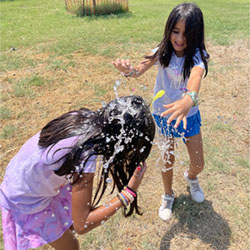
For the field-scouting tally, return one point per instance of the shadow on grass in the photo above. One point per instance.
(197, 221)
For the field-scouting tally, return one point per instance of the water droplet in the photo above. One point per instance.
(110, 119)
(117, 83)
(109, 180)
(142, 149)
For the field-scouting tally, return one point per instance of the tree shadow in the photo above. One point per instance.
(198, 221)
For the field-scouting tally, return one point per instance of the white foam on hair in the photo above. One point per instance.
(125, 106)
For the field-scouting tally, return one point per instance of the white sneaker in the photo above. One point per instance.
(165, 210)
(195, 189)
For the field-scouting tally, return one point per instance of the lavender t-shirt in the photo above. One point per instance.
(30, 181)
(170, 79)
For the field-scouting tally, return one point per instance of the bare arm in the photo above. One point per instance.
(125, 67)
(195, 78)
(180, 108)
(84, 216)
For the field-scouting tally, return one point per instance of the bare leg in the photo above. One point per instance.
(66, 242)
(167, 176)
(195, 151)
(165, 210)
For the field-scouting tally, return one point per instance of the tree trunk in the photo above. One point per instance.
(94, 5)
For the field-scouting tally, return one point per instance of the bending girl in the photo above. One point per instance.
(47, 188)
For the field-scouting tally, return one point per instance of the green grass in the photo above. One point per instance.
(35, 80)
(20, 89)
(23, 87)
(5, 113)
(57, 64)
(8, 132)
(225, 20)
(13, 60)
(46, 25)
(245, 163)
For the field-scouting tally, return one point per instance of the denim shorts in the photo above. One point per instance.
(168, 130)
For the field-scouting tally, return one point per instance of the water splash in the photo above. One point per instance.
(122, 136)
(164, 140)
(123, 82)
(117, 84)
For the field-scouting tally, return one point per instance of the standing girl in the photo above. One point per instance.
(182, 61)
(47, 188)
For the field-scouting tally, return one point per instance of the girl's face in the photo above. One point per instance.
(178, 39)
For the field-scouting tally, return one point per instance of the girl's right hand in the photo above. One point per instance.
(137, 177)
(122, 65)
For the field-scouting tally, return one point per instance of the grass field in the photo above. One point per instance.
(52, 62)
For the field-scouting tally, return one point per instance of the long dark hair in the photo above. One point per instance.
(122, 133)
(194, 33)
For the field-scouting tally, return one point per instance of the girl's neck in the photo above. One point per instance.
(178, 54)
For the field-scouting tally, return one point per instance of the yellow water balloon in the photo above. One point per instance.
(158, 95)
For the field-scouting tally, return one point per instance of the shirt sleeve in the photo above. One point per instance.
(55, 152)
(197, 59)
(90, 165)
(153, 51)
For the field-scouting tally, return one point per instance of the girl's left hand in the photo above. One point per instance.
(179, 110)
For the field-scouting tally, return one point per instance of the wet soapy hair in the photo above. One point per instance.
(121, 133)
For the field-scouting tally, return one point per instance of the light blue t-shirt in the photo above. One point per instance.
(170, 79)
